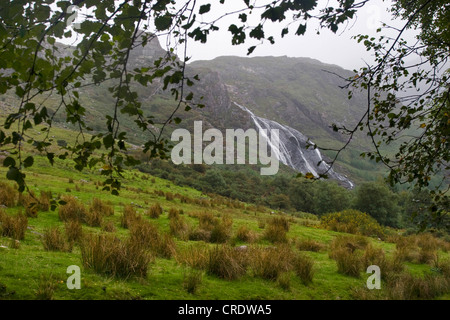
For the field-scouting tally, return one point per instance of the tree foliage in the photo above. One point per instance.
(34, 67)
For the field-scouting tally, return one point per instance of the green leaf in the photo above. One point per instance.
(13, 174)
(301, 30)
(9, 162)
(205, 8)
(163, 22)
(28, 162)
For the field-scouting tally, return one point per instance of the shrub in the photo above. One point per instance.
(352, 221)
(310, 245)
(303, 267)
(54, 240)
(8, 195)
(13, 226)
(154, 211)
(106, 254)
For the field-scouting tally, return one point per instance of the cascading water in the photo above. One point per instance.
(293, 151)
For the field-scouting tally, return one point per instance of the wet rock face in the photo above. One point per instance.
(296, 150)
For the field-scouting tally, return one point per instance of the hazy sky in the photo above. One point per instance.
(327, 47)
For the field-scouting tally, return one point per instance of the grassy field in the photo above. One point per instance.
(29, 270)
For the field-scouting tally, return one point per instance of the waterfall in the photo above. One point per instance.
(293, 151)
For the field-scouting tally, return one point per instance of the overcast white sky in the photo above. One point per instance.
(338, 49)
(327, 47)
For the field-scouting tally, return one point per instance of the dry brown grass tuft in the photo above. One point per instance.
(13, 226)
(269, 262)
(74, 230)
(106, 254)
(54, 240)
(129, 217)
(72, 210)
(154, 211)
(8, 195)
(246, 235)
(226, 262)
(310, 245)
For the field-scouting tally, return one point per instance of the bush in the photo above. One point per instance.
(106, 254)
(352, 221)
(54, 240)
(13, 226)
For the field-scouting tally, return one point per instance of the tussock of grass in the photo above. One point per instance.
(8, 195)
(106, 254)
(226, 262)
(13, 226)
(310, 245)
(129, 217)
(154, 211)
(54, 240)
